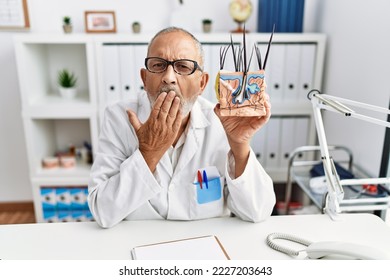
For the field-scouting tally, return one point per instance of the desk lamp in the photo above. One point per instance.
(336, 104)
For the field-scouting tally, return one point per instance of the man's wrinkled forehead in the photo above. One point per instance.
(165, 39)
(169, 41)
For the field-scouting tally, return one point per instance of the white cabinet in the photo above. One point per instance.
(108, 70)
(54, 125)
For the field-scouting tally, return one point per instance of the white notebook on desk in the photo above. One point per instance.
(197, 248)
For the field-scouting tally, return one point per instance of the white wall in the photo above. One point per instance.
(357, 68)
(353, 29)
(14, 182)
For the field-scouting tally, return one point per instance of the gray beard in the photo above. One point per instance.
(185, 105)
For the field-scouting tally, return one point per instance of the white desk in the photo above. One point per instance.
(242, 240)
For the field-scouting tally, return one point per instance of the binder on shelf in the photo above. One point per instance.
(287, 144)
(298, 14)
(140, 53)
(301, 136)
(262, 16)
(112, 92)
(273, 11)
(291, 64)
(275, 72)
(126, 71)
(307, 68)
(273, 143)
(286, 14)
(211, 65)
(196, 248)
(208, 67)
(258, 145)
(291, 19)
(294, 134)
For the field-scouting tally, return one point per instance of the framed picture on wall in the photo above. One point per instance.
(100, 22)
(14, 15)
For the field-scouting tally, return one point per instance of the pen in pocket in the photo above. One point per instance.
(200, 179)
(205, 179)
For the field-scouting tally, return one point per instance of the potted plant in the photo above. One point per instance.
(136, 27)
(67, 83)
(206, 23)
(67, 24)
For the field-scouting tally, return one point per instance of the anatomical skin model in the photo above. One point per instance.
(241, 92)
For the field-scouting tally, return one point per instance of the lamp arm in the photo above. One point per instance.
(356, 104)
(334, 192)
(333, 104)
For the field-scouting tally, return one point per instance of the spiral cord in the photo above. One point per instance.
(271, 243)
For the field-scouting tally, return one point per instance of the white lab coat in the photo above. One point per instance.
(123, 187)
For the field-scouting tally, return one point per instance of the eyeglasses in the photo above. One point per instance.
(181, 66)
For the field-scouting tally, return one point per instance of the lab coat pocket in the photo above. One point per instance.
(209, 192)
(208, 200)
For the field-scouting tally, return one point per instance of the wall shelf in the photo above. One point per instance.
(81, 170)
